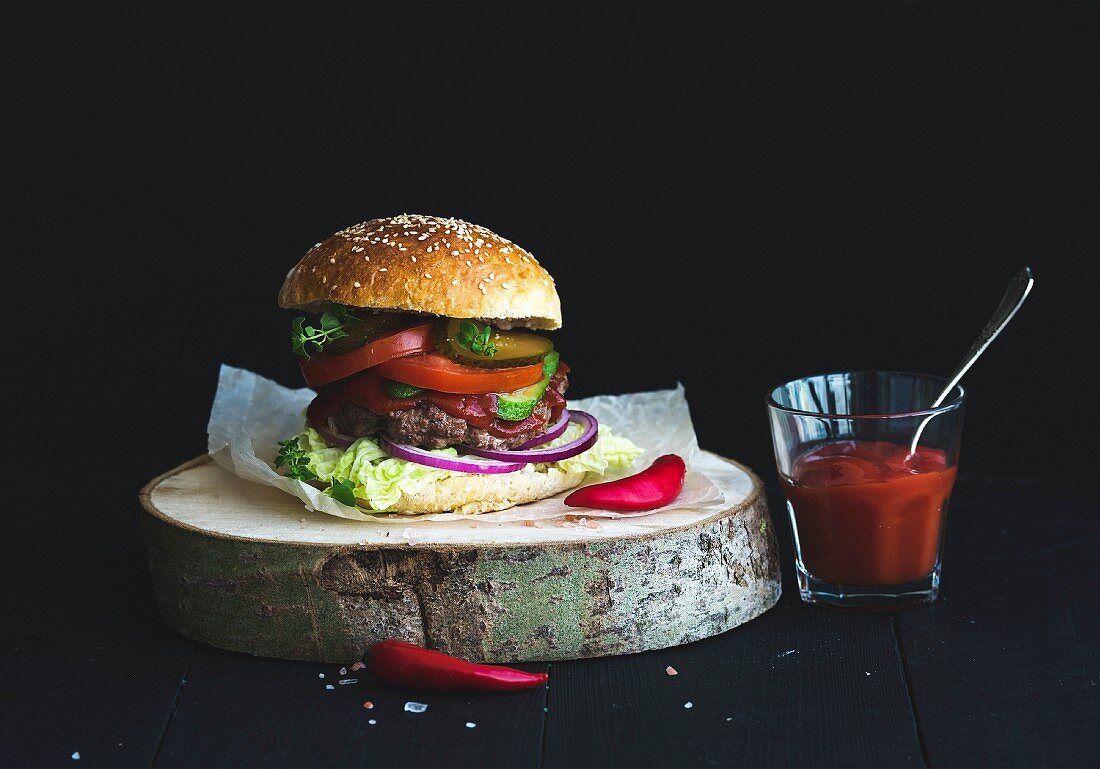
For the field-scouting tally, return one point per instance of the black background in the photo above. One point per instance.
(729, 195)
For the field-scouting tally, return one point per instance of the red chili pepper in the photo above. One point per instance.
(406, 664)
(654, 487)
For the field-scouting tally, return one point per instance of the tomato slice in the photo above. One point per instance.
(437, 372)
(322, 368)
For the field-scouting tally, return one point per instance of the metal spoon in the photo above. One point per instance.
(1014, 297)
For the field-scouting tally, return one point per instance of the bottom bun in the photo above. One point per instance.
(470, 494)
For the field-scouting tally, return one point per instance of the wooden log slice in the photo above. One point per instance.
(245, 567)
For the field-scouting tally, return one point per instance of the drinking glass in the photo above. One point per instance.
(867, 507)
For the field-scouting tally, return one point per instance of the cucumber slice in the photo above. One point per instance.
(510, 348)
(550, 363)
(518, 404)
(400, 389)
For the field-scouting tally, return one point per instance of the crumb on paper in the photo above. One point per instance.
(368, 705)
(689, 705)
(357, 666)
(671, 671)
(415, 707)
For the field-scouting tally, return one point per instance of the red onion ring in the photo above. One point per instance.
(332, 437)
(457, 464)
(553, 432)
(571, 449)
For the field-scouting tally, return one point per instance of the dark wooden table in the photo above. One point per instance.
(1002, 671)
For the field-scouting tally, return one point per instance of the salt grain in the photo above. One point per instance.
(76, 755)
(320, 675)
(372, 722)
(346, 681)
(470, 724)
(689, 705)
(343, 671)
(329, 686)
(415, 707)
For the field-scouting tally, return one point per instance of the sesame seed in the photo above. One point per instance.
(382, 269)
(454, 282)
(506, 285)
(481, 258)
(324, 279)
(357, 284)
(427, 274)
(332, 260)
(454, 253)
(413, 257)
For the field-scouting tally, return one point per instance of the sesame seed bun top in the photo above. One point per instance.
(413, 263)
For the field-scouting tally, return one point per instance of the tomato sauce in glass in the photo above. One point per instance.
(867, 513)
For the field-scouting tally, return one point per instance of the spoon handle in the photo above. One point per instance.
(1014, 297)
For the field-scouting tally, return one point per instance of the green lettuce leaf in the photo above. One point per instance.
(381, 479)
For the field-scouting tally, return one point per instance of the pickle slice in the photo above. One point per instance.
(370, 326)
(507, 348)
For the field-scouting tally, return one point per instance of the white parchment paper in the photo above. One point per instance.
(251, 414)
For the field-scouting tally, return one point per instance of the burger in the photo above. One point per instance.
(433, 391)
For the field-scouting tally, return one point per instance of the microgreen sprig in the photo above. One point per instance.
(342, 491)
(476, 340)
(333, 326)
(295, 460)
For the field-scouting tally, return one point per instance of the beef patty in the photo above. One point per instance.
(429, 427)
